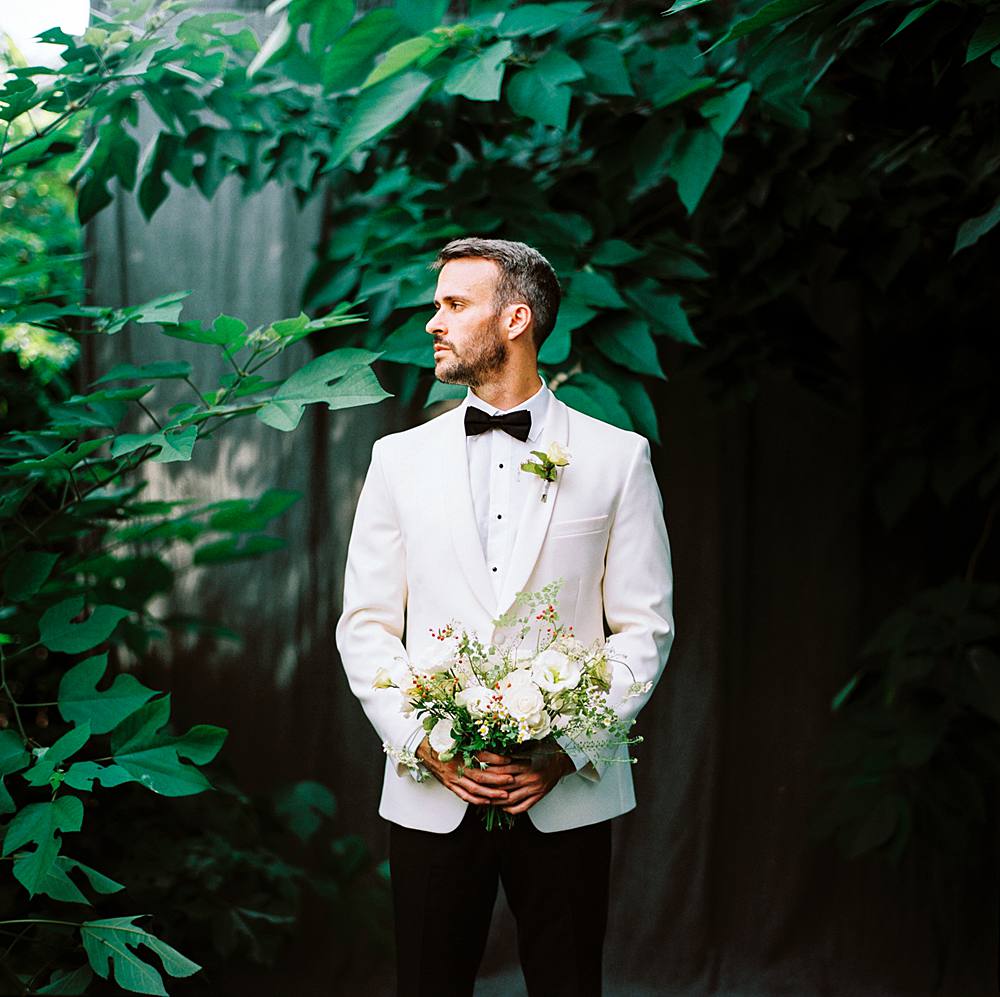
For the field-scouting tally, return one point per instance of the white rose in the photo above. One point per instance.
(558, 454)
(540, 724)
(440, 737)
(523, 700)
(555, 672)
(383, 680)
(476, 699)
(518, 677)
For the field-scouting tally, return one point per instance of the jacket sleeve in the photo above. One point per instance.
(370, 629)
(637, 592)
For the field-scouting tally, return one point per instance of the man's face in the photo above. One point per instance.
(469, 345)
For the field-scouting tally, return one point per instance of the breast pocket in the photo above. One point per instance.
(587, 526)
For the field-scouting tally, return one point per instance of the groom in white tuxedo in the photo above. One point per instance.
(449, 528)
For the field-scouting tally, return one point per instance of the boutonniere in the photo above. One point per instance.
(545, 467)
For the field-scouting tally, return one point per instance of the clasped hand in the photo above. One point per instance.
(513, 786)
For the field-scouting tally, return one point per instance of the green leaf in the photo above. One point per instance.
(594, 288)
(236, 549)
(572, 314)
(603, 63)
(80, 702)
(974, 229)
(440, 391)
(68, 984)
(698, 154)
(346, 64)
(398, 58)
(985, 39)
(58, 632)
(159, 369)
(39, 823)
(154, 759)
(303, 806)
(59, 886)
(378, 109)
(682, 5)
(174, 445)
(326, 19)
(69, 744)
(625, 340)
(665, 312)
(614, 253)
(13, 754)
(769, 13)
(13, 758)
(63, 459)
(590, 395)
(913, 15)
(723, 110)
(480, 78)
(535, 19)
(341, 378)
(161, 310)
(81, 775)
(275, 42)
(26, 573)
(539, 93)
(410, 344)
(249, 515)
(421, 15)
(111, 940)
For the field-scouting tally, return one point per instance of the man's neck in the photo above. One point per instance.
(508, 392)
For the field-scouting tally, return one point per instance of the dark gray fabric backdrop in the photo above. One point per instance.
(716, 887)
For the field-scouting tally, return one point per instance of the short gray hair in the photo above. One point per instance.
(525, 275)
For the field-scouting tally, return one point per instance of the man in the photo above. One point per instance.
(448, 527)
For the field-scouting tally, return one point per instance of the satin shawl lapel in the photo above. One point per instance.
(535, 514)
(456, 500)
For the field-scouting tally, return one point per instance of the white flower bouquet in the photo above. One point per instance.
(507, 699)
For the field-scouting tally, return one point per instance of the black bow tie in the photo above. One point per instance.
(518, 423)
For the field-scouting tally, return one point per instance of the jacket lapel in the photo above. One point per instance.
(535, 514)
(456, 501)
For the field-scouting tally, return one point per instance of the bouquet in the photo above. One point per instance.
(508, 699)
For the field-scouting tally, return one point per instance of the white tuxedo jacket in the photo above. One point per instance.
(415, 562)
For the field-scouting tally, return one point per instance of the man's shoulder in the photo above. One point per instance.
(406, 440)
(597, 434)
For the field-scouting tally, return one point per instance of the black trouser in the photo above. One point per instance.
(444, 887)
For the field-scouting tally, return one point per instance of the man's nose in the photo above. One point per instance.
(435, 325)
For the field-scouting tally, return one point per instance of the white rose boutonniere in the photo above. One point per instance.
(548, 460)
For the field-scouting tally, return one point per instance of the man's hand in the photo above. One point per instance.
(533, 780)
(474, 785)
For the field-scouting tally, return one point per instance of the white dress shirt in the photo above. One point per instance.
(499, 488)
(498, 483)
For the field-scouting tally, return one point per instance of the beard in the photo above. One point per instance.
(477, 363)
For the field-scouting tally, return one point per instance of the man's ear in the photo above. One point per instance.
(518, 320)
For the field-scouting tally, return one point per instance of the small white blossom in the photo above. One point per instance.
(558, 454)
(638, 689)
(555, 671)
(383, 680)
